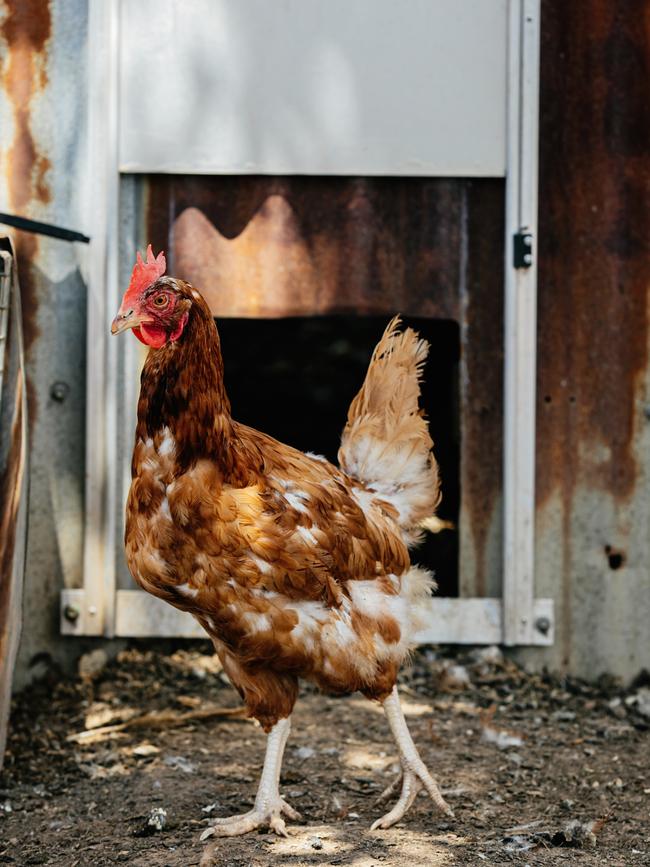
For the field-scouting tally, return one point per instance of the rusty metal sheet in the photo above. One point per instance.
(482, 391)
(13, 485)
(594, 241)
(43, 162)
(594, 277)
(269, 247)
(25, 31)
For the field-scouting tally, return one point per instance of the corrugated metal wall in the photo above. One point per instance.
(593, 419)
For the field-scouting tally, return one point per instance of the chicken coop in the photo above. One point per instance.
(316, 167)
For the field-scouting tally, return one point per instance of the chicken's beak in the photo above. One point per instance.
(128, 319)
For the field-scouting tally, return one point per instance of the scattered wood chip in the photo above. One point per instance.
(102, 714)
(160, 719)
(145, 750)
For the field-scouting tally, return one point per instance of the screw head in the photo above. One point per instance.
(71, 613)
(59, 391)
(543, 625)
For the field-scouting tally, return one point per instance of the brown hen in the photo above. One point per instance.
(293, 566)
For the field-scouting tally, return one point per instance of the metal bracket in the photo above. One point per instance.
(523, 249)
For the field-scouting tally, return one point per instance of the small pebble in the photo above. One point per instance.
(92, 664)
(303, 753)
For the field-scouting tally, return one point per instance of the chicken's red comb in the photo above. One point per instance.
(146, 273)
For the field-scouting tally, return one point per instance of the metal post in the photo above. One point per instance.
(520, 322)
(96, 616)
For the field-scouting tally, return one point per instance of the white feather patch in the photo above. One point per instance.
(263, 565)
(257, 622)
(298, 501)
(307, 535)
(168, 443)
(316, 457)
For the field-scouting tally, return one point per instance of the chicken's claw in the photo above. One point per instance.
(390, 790)
(410, 788)
(411, 783)
(271, 817)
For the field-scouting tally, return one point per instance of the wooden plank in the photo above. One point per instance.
(308, 246)
(13, 480)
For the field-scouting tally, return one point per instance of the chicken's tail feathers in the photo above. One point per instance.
(386, 443)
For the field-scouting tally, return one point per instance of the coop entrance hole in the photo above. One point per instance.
(294, 378)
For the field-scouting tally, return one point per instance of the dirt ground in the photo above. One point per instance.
(538, 771)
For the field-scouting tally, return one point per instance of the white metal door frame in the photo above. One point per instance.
(518, 618)
(520, 621)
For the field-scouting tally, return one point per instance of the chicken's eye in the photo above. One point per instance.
(161, 301)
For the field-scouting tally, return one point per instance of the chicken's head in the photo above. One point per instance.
(154, 306)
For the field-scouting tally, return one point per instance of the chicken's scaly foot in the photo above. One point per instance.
(269, 806)
(414, 771)
(410, 788)
(390, 790)
(264, 816)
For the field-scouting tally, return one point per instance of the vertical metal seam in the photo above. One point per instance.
(99, 554)
(520, 324)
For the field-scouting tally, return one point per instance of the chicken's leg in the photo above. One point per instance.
(414, 770)
(269, 806)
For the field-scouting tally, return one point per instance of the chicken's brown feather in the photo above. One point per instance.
(293, 567)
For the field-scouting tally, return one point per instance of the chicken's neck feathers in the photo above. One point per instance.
(182, 389)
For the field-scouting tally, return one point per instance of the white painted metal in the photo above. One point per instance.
(342, 87)
(96, 616)
(520, 325)
(453, 621)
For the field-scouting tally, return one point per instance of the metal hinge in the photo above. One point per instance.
(523, 249)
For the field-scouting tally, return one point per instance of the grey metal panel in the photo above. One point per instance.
(43, 165)
(311, 87)
(593, 428)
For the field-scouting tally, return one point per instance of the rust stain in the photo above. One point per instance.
(265, 246)
(43, 193)
(27, 20)
(11, 475)
(12, 472)
(594, 244)
(594, 253)
(482, 418)
(26, 27)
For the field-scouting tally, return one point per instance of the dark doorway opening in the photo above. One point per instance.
(295, 378)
